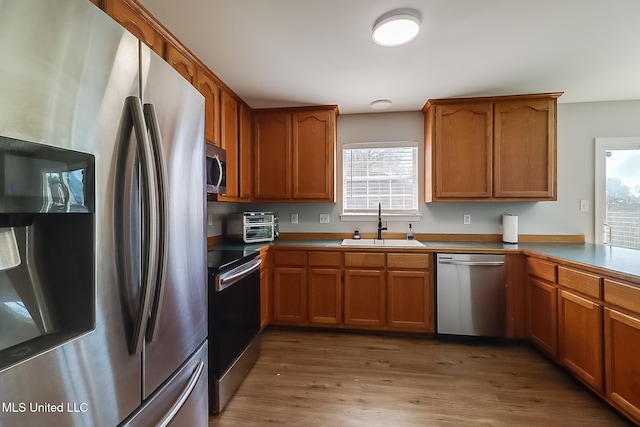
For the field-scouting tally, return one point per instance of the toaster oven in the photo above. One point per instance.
(252, 227)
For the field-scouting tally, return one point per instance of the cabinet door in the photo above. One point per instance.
(410, 300)
(211, 92)
(181, 63)
(542, 315)
(462, 152)
(289, 295)
(622, 364)
(127, 13)
(272, 156)
(525, 149)
(229, 141)
(364, 298)
(580, 337)
(314, 146)
(246, 153)
(325, 296)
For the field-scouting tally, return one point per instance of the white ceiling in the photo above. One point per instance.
(275, 53)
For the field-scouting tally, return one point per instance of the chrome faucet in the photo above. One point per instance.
(380, 228)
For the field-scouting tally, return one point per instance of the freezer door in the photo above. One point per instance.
(182, 306)
(66, 71)
(179, 401)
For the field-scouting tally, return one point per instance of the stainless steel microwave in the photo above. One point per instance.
(216, 170)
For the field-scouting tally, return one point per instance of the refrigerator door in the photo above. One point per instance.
(181, 326)
(67, 69)
(180, 400)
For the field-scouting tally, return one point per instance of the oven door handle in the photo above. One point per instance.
(234, 276)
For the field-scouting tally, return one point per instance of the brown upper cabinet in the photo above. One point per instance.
(181, 63)
(245, 146)
(137, 21)
(211, 92)
(229, 137)
(295, 152)
(491, 148)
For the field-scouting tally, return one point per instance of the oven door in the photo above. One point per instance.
(234, 315)
(258, 233)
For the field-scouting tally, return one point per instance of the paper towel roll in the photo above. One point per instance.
(509, 228)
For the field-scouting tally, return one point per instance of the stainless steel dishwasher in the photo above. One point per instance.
(470, 295)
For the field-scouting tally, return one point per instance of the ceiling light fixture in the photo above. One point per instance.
(396, 27)
(380, 104)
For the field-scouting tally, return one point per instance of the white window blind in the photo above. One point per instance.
(385, 173)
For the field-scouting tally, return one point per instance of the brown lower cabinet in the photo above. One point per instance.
(622, 360)
(290, 295)
(325, 295)
(364, 297)
(353, 289)
(580, 338)
(542, 317)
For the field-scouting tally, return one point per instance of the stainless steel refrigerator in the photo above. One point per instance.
(102, 233)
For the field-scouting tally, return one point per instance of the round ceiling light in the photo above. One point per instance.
(396, 28)
(380, 104)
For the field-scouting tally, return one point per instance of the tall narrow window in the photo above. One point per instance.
(385, 173)
(618, 192)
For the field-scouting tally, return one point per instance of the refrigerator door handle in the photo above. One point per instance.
(175, 408)
(133, 117)
(162, 213)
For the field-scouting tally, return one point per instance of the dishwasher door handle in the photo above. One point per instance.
(471, 263)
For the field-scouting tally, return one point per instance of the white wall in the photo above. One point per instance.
(578, 125)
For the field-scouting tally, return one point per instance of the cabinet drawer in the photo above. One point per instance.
(622, 295)
(289, 258)
(324, 258)
(399, 260)
(364, 259)
(542, 269)
(588, 284)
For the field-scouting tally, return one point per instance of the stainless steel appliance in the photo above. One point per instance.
(252, 227)
(216, 170)
(102, 183)
(470, 295)
(234, 321)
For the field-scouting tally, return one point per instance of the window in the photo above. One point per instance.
(618, 192)
(385, 173)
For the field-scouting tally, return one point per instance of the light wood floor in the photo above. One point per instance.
(340, 379)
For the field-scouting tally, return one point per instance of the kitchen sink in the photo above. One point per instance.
(384, 243)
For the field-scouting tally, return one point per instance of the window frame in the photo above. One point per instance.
(389, 215)
(601, 147)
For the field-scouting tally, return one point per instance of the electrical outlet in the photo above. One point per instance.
(466, 219)
(324, 218)
(210, 219)
(294, 218)
(584, 205)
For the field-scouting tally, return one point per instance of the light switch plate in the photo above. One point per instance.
(584, 205)
(324, 218)
(294, 218)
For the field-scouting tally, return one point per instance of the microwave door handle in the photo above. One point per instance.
(162, 212)
(133, 118)
(219, 170)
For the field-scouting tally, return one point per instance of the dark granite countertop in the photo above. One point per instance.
(617, 260)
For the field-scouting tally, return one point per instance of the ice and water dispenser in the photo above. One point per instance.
(47, 205)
